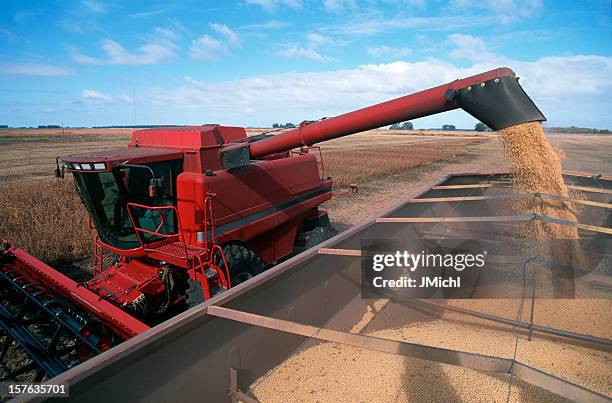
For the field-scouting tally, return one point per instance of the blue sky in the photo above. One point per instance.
(255, 62)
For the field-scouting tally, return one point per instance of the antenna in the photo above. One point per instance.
(134, 99)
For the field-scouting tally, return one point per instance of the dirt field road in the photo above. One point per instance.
(583, 153)
(380, 194)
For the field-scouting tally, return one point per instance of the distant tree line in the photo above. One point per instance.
(402, 126)
(479, 127)
(147, 126)
(447, 127)
(577, 130)
(283, 126)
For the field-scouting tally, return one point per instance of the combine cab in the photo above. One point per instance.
(189, 212)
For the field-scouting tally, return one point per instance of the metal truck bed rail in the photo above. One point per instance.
(219, 348)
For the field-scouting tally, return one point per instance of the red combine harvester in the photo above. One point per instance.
(193, 211)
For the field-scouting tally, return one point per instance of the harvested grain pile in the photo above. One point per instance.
(331, 372)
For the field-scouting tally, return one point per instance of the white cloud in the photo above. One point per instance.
(568, 89)
(78, 26)
(145, 14)
(549, 78)
(343, 6)
(95, 97)
(7, 34)
(207, 48)
(177, 25)
(273, 5)
(374, 26)
(153, 52)
(561, 77)
(268, 5)
(272, 24)
(33, 69)
(338, 6)
(388, 51)
(150, 53)
(308, 53)
(318, 39)
(124, 98)
(89, 97)
(167, 33)
(311, 50)
(224, 30)
(81, 16)
(505, 10)
(469, 47)
(94, 6)
(78, 57)
(417, 3)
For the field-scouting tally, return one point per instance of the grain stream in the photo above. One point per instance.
(536, 168)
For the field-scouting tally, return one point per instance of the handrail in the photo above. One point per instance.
(212, 259)
(140, 230)
(210, 245)
(209, 219)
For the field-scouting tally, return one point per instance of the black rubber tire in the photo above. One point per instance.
(242, 262)
(195, 294)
